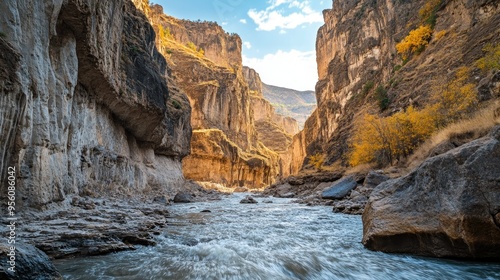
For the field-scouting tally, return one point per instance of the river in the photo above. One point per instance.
(279, 240)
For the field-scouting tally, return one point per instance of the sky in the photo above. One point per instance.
(279, 36)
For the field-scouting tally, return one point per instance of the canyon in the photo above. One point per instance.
(110, 109)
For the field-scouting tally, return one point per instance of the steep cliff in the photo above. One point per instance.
(85, 106)
(356, 47)
(226, 99)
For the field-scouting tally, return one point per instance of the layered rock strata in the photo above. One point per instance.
(206, 62)
(356, 47)
(85, 106)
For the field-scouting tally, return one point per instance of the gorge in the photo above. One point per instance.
(112, 109)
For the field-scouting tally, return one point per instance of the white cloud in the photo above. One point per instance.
(224, 23)
(272, 17)
(247, 45)
(244, 21)
(291, 69)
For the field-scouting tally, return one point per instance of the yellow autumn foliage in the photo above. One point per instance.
(457, 98)
(415, 42)
(428, 9)
(317, 161)
(492, 58)
(385, 140)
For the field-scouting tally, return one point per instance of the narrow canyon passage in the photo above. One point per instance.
(279, 240)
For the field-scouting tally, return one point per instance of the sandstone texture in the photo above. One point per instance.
(226, 100)
(30, 263)
(85, 104)
(356, 45)
(448, 207)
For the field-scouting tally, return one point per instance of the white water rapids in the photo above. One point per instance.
(281, 240)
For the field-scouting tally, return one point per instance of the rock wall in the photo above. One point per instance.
(444, 214)
(357, 45)
(224, 97)
(84, 103)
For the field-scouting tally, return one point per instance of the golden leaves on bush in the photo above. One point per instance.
(385, 140)
(415, 42)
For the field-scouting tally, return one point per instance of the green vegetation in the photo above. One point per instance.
(176, 104)
(382, 98)
(367, 87)
(428, 12)
(492, 58)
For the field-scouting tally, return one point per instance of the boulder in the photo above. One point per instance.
(374, 178)
(447, 207)
(248, 199)
(183, 197)
(339, 189)
(30, 263)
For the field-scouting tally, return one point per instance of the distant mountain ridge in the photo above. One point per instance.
(291, 103)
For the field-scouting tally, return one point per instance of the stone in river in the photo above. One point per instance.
(30, 263)
(183, 197)
(248, 199)
(339, 189)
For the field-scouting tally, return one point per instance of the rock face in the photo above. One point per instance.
(224, 98)
(356, 45)
(448, 207)
(30, 263)
(84, 104)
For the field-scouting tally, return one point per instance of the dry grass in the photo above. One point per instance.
(472, 128)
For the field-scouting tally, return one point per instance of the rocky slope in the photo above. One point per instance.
(291, 103)
(206, 63)
(85, 105)
(356, 47)
(445, 214)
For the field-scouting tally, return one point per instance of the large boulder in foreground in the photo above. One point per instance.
(30, 263)
(448, 207)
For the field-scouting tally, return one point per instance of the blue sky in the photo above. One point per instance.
(279, 36)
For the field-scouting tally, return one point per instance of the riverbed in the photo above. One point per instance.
(278, 240)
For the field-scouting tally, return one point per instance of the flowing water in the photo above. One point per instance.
(281, 240)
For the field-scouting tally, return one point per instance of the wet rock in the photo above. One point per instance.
(445, 208)
(30, 263)
(240, 190)
(183, 197)
(267, 201)
(339, 189)
(206, 211)
(248, 199)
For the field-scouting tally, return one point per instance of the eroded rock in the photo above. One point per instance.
(30, 263)
(444, 208)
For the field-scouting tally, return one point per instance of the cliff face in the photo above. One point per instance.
(206, 63)
(84, 103)
(356, 45)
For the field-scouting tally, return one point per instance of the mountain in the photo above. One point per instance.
(291, 103)
(234, 129)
